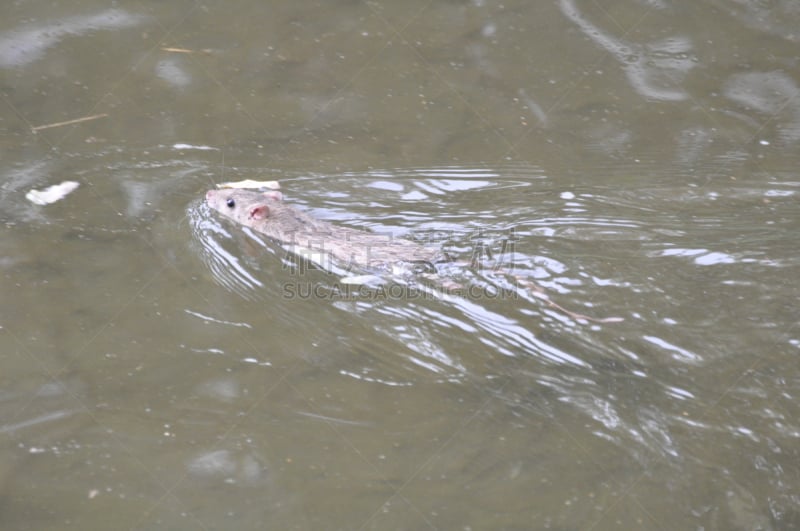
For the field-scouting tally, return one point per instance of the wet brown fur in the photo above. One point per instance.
(289, 225)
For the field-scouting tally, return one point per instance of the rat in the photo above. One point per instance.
(266, 213)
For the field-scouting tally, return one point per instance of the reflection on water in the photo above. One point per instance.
(31, 41)
(655, 70)
(634, 158)
(772, 94)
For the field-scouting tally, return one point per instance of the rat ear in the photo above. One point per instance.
(275, 195)
(259, 212)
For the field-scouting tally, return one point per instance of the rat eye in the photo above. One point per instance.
(230, 202)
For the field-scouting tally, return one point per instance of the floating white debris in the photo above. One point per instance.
(366, 280)
(249, 183)
(190, 146)
(51, 194)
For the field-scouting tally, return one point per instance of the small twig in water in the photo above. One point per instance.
(69, 122)
(536, 291)
(183, 50)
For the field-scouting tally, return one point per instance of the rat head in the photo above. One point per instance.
(243, 206)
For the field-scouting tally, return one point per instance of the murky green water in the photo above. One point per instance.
(163, 369)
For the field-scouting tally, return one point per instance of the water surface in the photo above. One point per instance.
(637, 159)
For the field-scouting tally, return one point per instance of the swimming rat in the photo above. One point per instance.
(264, 212)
